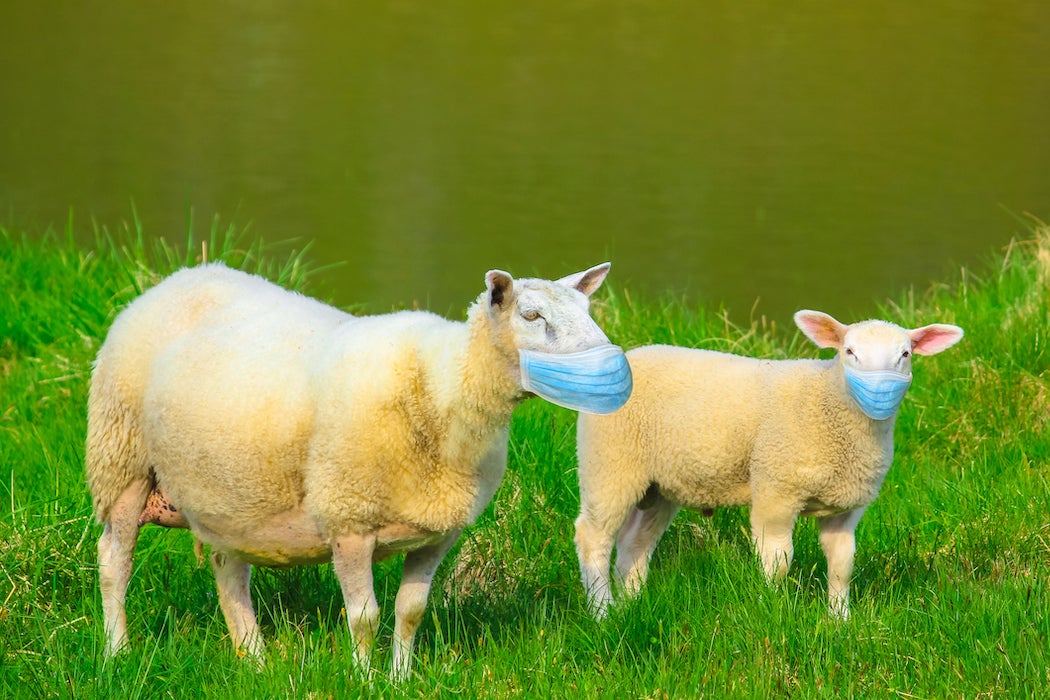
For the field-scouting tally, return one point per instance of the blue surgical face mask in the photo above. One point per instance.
(877, 392)
(597, 380)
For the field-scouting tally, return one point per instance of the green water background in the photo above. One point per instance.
(815, 154)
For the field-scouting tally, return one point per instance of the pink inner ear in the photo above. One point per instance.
(587, 281)
(821, 328)
(930, 340)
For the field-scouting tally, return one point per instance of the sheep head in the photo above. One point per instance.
(563, 356)
(544, 315)
(876, 355)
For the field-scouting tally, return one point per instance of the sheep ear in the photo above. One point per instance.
(589, 280)
(932, 339)
(500, 285)
(821, 328)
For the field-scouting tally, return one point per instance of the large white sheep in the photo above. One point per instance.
(705, 429)
(283, 431)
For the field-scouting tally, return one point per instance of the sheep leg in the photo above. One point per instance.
(232, 576)
(772, 524)
(116, 548)
(352, 559)
(594, 549)
(416, 577)
(637, 540)
(839, 544)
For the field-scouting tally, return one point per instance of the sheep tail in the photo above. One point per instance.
(115, 455)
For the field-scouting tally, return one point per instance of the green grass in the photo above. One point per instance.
(950, 588)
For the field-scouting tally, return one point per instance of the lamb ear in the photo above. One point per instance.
(588, 280)
(932, 339)
(499, 285)
(821, 328)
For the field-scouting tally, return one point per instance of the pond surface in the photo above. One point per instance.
(817, 155)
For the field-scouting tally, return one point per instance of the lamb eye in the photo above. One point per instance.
(906, 354)
(849, 351)
(531, 315)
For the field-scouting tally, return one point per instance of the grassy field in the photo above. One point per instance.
(950, 589)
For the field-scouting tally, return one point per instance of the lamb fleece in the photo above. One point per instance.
(725, 422)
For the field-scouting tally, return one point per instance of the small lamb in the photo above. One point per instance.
(705, 429)
(283, 431)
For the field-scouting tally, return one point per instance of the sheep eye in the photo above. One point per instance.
(849, 351)
(531, 315)
(906, 355)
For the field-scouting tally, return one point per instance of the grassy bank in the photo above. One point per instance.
(950, 589)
